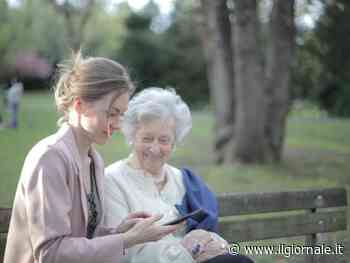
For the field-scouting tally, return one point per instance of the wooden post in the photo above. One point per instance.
(5, 215)
(311, 240)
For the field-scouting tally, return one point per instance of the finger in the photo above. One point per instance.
(168, 229)
(133, 221)
(182, 223)
(206, 241)
(161, 231)
(154, 218)
(127, 224)
(140, 214)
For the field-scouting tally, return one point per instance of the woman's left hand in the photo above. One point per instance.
(131, 220)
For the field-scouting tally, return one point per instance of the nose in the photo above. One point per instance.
(154, 148)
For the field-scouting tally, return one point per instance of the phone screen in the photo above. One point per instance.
(197, 215)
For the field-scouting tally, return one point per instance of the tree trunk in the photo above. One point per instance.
(250, 107)
(249, 143)
(75, 19)
(216, 38)
(278, 73)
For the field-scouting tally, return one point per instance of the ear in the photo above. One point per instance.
(78, 105)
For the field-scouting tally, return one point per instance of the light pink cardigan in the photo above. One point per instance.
(49, 216)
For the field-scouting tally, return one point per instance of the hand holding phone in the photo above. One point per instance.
(197, 215)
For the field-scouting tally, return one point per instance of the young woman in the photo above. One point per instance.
(58, 208)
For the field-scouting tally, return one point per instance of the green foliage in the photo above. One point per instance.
(169, 58)
(187, 69)
(104, 31)
(139, 51)
(307, 69)
(5, 34)
(156, 55)
(321, 72)
(332, 34)
(37, 28)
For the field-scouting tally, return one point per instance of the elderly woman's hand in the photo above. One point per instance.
(204, 245)
(131, 220)
(217, 246)
(195, 241)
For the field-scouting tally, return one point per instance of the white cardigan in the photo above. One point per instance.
(129, 190)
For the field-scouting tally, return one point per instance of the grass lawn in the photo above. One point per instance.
(317, 154)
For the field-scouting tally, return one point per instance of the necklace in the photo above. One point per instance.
(160, 179)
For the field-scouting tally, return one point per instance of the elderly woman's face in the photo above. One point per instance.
(153, 144)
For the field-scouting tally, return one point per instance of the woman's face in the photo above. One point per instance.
(153, 144)
(101, 118)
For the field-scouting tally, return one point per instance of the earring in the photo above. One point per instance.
(79, 119)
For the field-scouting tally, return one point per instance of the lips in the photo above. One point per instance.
(153, 161)
(106, 133)
(152, 157)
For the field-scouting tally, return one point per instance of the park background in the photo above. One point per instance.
(267, 82)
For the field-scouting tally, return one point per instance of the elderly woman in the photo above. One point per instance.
(157, 120)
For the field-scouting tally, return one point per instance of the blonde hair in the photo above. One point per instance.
(90, 79)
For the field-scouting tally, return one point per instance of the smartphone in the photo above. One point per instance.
(197, 215)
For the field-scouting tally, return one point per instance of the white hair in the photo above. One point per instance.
(157, 104)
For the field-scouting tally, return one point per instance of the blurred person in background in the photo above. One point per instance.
(2, 104)
(14, 95)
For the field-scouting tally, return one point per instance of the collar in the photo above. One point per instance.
(70, 147)
(147, 181)
(67, 135)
